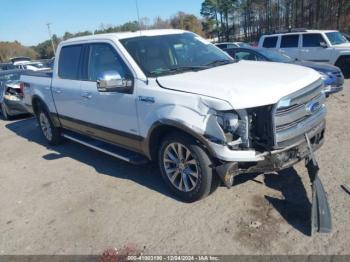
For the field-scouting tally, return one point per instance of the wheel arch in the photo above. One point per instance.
(342, 57)
(163, 127)
(38, 102)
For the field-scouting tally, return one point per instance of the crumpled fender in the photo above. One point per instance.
(199, 122)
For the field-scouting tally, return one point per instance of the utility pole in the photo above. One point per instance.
(50, 35)
(138, 14)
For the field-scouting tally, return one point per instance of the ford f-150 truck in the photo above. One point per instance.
(172, 97)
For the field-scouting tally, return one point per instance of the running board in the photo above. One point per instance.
(109, 149)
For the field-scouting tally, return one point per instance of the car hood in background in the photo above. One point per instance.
(318, 66)
(244, 84)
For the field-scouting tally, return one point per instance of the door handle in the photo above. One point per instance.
(87, 95)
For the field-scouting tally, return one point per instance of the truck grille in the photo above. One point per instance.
(298, 114)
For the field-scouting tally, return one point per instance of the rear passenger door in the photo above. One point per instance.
(312, 49)
(290, 45)
(66, 84)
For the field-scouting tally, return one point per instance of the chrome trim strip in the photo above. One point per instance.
(302, 127)
(298, 113)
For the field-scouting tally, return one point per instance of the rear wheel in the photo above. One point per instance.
(344, 64)
(185, 167)
(4, 112)
(51, 133)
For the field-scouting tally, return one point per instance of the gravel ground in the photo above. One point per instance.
(73, 200)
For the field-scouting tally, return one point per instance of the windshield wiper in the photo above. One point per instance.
(220, 62)
(177, 69)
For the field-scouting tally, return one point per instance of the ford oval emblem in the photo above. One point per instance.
(312, 107)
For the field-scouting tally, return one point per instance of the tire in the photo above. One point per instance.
(182, 159)
(51, 133)
(4, 112)
(344, 64)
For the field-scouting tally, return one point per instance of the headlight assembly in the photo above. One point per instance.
(234, 126)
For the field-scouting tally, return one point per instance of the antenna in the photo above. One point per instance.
(50, 35)
(138, 15)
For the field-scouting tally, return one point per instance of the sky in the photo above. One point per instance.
(25, 20)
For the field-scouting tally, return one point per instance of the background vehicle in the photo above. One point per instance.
(17, 59)
(11, 94)
(33, 66)
(231, 45)
(7, 66)
(331, 75)
(172, 97)
(325, 46)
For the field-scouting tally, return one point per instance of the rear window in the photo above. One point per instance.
(68, 67)
(270, 42)
(312, 40)
(290, 41)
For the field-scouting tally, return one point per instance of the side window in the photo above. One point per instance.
(104, 59)
(290, 41)
(270, 42)
(68, 67)
(312, 40)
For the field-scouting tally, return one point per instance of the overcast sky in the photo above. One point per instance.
(25, 20)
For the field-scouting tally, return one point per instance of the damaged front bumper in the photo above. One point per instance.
(281, 159)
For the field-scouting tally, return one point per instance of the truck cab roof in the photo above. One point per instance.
(124, 35)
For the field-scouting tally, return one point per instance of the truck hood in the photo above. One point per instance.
(244, 84)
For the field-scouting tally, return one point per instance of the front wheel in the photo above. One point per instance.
(185, 167)
(344, 64)
(51, 133)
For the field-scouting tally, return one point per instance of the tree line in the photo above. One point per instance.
(248, 19)
(221, 20)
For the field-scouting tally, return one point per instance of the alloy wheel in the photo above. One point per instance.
(181, 167)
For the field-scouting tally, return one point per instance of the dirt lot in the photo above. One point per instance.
(73, 200)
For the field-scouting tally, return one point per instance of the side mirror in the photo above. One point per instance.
(113, 82)
(323, 44)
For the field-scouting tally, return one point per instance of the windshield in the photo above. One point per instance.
(336, 38)
(276, 56)
(170, 54)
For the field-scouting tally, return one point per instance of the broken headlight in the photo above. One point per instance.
(234, 126)
(229, 122)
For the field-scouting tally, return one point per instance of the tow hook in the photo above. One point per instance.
(321, 220)
(227, 172)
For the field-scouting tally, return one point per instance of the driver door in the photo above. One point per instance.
(111, 116)
(312, 49)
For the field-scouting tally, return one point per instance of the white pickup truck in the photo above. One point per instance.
(170, 96)
(326, 46)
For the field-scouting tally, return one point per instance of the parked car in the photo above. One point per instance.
(331, 75)
(17, 59)
(327, 46)
(48, 63)
(7, 66)
(33, 66)
(130, 95)
(11, 94)
(231, 45)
